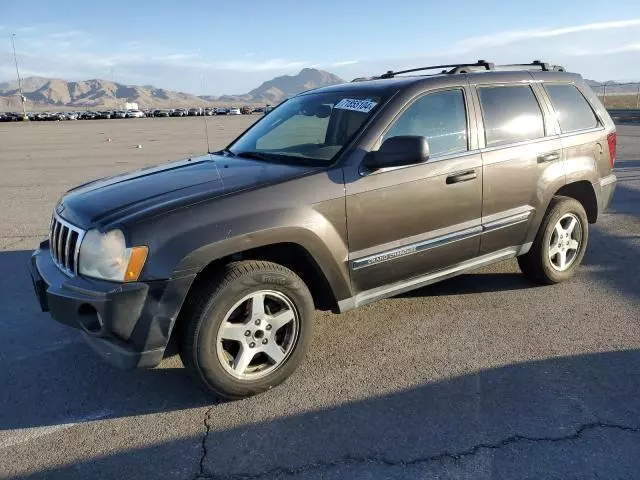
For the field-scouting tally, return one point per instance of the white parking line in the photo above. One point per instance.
(24, 435)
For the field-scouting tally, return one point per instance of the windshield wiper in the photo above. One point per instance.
(225, 151)
(257, 156)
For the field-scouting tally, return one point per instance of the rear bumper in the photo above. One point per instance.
(607, 189)
(128, 324)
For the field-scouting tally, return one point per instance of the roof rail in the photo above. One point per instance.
(544, 66)
(455, 68)
(468, 68)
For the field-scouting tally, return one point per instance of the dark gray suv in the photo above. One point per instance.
(338, 197)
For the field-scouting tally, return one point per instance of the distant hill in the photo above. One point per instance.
(280, 88)
(89, 93)
(617, 88)
(54, 92)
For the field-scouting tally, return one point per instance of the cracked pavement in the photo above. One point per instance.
(480, 377)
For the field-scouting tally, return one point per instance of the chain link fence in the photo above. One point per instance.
(621, 96)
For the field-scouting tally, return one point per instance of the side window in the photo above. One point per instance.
(511, 114)
(441, 117)
(572, 109)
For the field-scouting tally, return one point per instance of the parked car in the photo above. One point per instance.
(209, 111)
(119, 114)
(258, 110)
(193, 112)
(10, 117)
(221, 111)
(162, 113)
(135, 114)
(245, 110)
(104, 115)
(71, 115)
(234, 111)
(179, 112)
(420, 178)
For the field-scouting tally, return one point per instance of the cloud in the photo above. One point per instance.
(256, 66)
(581, 51)
(69, 34)
(512, 36)
(343, 63)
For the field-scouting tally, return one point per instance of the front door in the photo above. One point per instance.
(404, 222)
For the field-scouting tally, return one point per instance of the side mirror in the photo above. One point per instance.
(399, 151)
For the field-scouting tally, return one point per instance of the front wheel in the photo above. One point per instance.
(560, 243)
(248, 328)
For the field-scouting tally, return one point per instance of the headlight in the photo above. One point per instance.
(106, 256)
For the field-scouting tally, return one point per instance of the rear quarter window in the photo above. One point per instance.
(571, 108)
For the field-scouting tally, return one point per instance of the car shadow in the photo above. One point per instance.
(566, 417)
(474, 283)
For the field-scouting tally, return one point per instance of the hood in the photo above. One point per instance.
(155, 189)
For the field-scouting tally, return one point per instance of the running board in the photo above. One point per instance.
(369, 296)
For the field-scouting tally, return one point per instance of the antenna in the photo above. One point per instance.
(115, 93)
(204, 113)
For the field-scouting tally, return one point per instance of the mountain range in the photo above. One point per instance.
(45, 93)
(53, 92)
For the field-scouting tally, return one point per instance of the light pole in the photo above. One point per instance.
(15, 59)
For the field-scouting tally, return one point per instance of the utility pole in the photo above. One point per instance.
(15, 59)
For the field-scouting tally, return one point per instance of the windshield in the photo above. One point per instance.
(309, 128)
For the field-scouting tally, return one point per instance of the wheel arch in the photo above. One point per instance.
(288, 254)
(583, 192)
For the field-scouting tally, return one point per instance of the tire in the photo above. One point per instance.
(220, 314)
(547, 269)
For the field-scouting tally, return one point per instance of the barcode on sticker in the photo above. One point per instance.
(364, 106)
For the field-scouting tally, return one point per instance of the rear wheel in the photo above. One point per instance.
(248, 328)
(560, 243)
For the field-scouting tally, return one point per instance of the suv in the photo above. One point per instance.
(340, 196)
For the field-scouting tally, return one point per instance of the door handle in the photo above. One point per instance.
(461, 177)
(548, 157)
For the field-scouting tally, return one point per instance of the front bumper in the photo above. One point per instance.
(128, 324)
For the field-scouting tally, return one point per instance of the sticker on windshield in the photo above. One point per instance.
(364, 106)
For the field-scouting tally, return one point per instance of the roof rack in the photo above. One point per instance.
(544, 66)
(456, 68)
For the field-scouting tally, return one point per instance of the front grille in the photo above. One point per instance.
(64, 243)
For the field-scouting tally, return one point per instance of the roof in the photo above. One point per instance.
(481, 71)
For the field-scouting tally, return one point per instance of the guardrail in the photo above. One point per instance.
(624, 115)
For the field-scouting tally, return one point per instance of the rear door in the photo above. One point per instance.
(407, 221)
(521, 155)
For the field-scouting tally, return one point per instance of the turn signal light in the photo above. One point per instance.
(136, 262)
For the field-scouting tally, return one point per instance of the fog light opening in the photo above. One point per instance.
(90, 319)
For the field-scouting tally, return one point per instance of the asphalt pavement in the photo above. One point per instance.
(484, 376)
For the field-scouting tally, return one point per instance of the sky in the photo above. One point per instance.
(229, 47)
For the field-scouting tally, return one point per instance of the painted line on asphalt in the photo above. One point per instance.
(24, 435)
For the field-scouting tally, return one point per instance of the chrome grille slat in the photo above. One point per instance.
(64, 240)
(59, 243)
(56, 231)
(64, 244)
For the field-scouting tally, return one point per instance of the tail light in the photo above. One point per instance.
(612, 140)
